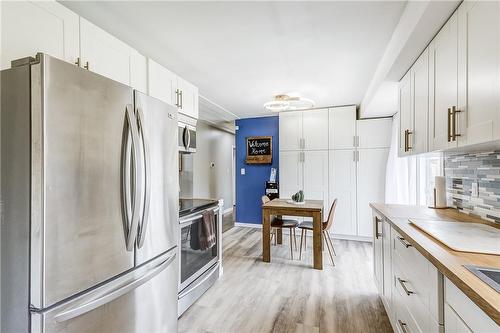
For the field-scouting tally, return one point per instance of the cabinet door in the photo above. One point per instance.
(315, 129)
(453, 323)
(138, 71)
(374, 133)
(105, 54)
(30, 27)
(316, 177)
(162, 83)
(370, 185)
(188, 99)
(342, 186)
(405, 113)
(479, 72)
(291, 171)
(342, 127)
(443, 83)
(420, 106)
(290, 127)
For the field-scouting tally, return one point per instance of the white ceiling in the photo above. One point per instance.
(240, 54)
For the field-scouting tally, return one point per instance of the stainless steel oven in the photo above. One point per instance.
(199, 268)
(187, 138)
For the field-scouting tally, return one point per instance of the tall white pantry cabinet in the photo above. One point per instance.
(329, 154)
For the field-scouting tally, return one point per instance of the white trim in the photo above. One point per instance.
(248, 225)
(227, 211)
(285, 232)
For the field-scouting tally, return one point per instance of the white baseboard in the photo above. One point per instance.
(309, 234)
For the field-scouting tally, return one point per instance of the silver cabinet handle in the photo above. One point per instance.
(408, 133)
(403, 326)
(132, 221)
(182, 99)
(404, 242)
(402, 283)
(147, 184)
(377, 233)
(112, 294)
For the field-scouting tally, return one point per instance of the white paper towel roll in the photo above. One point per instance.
(440, 192)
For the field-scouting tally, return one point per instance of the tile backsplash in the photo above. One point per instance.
(463, 171)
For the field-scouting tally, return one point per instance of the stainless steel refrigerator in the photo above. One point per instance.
(89, 199)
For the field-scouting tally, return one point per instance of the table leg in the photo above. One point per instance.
(266, 236)
(317, 240)
(279, 233)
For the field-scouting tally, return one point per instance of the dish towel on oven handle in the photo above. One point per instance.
(207, 230)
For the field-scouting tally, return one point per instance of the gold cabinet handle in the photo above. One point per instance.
(403, 326)
(406, 142)
(454, 112)
(404, 242)
(408, 146)
(402, 283)
(77, 62)
(450, 133)
(87, 66)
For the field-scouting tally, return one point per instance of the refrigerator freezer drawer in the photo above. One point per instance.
(143, 300)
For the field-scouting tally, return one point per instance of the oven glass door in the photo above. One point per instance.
(194, 258)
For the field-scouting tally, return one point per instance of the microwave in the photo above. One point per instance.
(187, 138)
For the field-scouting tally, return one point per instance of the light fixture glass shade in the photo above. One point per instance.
(277, 106)
(286, 103)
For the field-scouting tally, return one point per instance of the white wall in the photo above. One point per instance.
(213, 146)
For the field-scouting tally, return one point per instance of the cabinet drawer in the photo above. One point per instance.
(423, 277)
(415, 297)
(469, 313)
(403, 319)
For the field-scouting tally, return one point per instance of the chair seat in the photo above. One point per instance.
(308, 225)
(284, 223)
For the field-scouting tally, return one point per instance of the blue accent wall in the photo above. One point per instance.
(250, 187)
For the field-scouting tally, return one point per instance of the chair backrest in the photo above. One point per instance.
(265, 199)
(331, 213)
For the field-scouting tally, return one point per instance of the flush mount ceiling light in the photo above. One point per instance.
(287, 102)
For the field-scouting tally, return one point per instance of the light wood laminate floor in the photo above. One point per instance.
(289, 296)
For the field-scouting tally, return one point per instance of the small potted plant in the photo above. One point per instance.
(298, 198)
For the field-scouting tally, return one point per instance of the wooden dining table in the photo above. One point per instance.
(280, 207)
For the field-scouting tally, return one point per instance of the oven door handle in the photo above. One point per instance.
(199, 283)
(191, 218)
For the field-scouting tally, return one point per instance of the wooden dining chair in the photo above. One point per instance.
(280, 223)
(326, 226)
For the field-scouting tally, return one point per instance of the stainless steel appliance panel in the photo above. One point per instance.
(15, 198)
(144, 300)
(186, 137)
(79, 239)
(159, 227)
(197, 288)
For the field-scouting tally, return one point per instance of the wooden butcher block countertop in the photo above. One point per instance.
(446, 260)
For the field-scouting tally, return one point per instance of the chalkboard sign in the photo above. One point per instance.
(259, 150)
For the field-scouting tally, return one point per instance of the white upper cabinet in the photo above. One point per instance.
(290, 130)
(420, 107)
(374, 133)
(30, 27)
(342, 186)
(405, 114)
(187, 98)
(478, 72)
(342, 127)
(315, 129)
(443, 86)
(162, 83)
(104, 54)
(139, 71)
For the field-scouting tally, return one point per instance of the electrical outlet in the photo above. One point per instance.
(475, 189)
(242, 171)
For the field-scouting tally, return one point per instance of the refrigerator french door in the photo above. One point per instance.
(90, 195)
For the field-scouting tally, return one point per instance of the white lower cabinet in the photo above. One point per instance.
(462, 315)
(342, 186)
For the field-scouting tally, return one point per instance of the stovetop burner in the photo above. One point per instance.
(188, 206)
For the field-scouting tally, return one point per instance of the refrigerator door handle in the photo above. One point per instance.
(133, 220)
(147, 186)
(109, 296)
